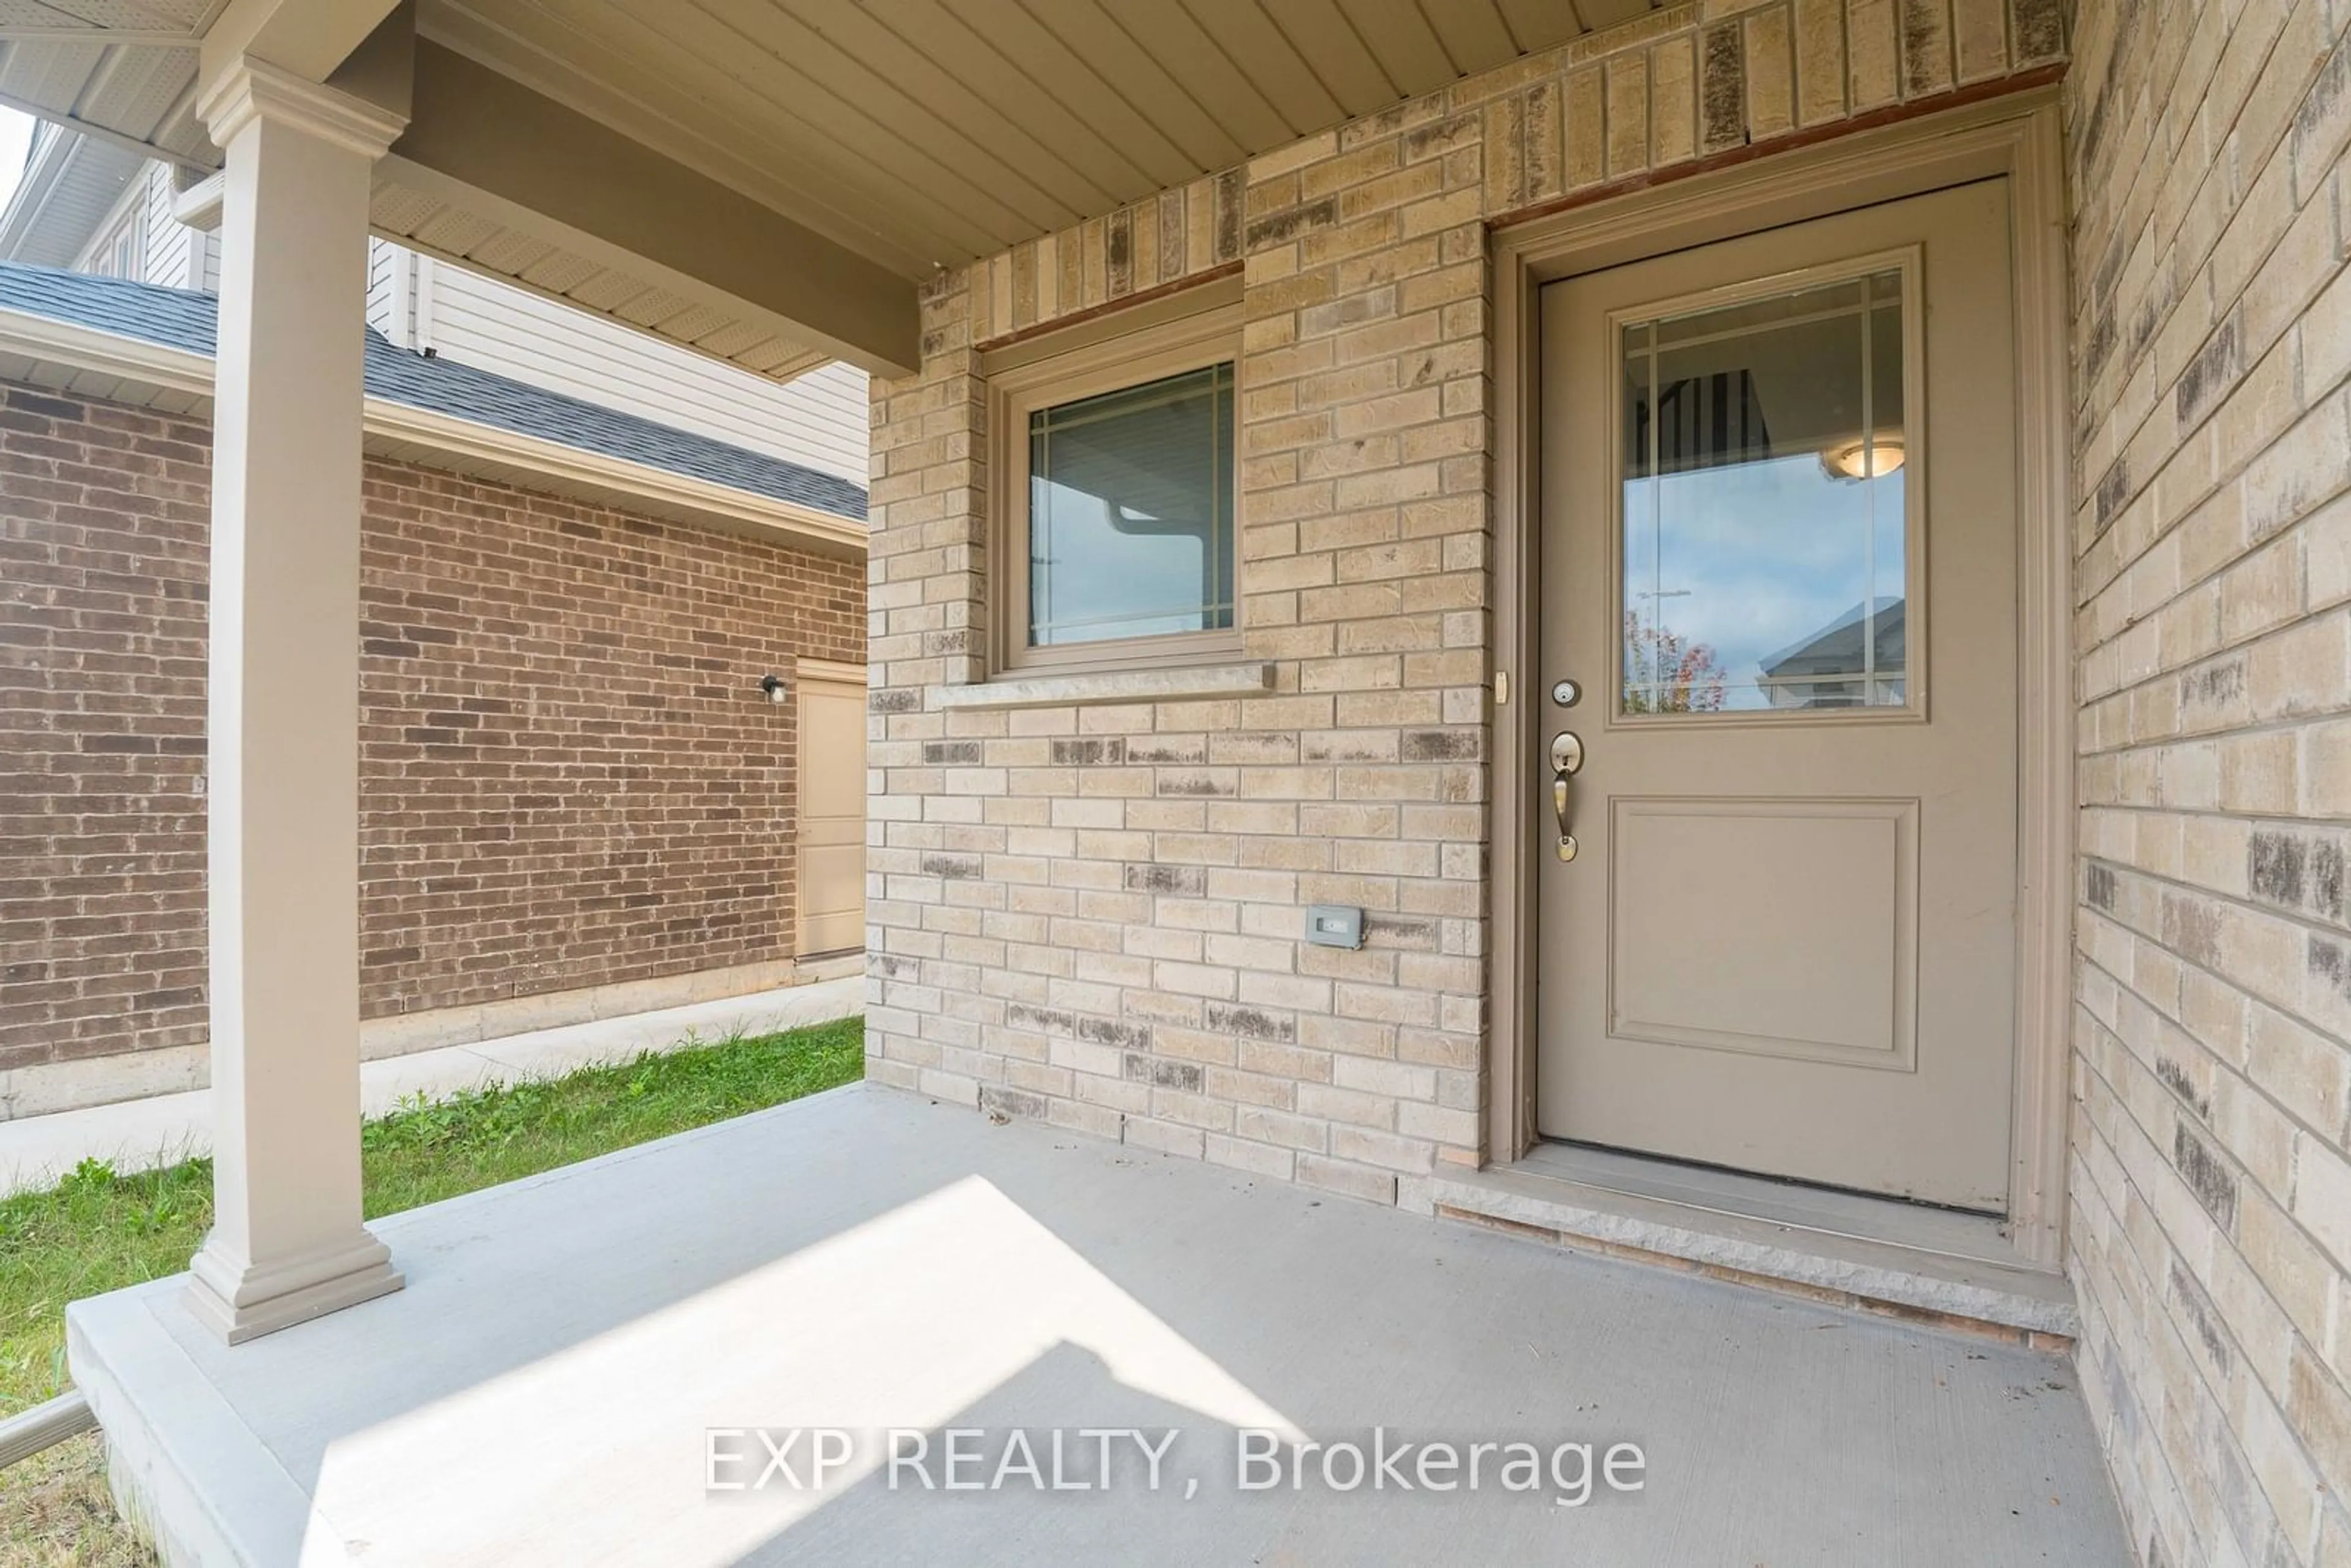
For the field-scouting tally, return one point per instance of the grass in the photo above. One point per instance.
(55, 1512)
(97, 1230)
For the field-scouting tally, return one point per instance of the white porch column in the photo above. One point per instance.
(287, 1243)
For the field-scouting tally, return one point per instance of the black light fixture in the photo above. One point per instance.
(774, 686)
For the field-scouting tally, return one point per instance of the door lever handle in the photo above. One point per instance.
(1566, 757)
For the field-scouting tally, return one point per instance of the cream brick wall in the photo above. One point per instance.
(1093, 914)
(2211, 1231)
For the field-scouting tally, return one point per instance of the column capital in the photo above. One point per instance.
(253, 89)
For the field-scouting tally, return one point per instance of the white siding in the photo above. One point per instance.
(819, 420)
(175, 253)
(104, 248)
(830, 417)
(167, 252)
(417, 302)
(387, 280)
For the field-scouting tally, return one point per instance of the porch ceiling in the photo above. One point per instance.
(912, 134)
(928, 133)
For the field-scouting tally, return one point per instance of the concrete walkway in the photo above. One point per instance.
(139, 1134)
(579, 1356)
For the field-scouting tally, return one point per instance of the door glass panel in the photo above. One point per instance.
(1765, 539)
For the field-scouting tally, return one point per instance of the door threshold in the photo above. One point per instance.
(1953, 1270)
(1806, 1206)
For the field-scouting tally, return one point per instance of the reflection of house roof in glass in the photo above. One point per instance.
(1835, 649)
(1154, 454)
(184, 319)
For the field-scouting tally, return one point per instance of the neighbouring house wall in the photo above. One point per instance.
(818, 419)
(67, 187)
(1092, 912)
(103, 527)
(169, 254)
(568, 774)
(177, 256)
(2211, 1232)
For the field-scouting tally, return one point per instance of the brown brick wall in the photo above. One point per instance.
(2210, 1241)
(568, 776)
(102, 525)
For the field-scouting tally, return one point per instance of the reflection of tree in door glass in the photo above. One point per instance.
(1665, 672)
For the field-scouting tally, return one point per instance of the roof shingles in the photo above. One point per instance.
(184, 319)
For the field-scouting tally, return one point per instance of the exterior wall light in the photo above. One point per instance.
(774, 687)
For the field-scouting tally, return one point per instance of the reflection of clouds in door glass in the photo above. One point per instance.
(1758, 559)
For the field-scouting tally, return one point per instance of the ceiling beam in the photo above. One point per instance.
(484, 142)
(309, 38)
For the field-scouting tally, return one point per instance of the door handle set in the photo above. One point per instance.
(1567, 759)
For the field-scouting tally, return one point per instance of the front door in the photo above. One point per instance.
(1779, 568)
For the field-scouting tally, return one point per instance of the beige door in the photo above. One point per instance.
(1779, 558)
(832, 811)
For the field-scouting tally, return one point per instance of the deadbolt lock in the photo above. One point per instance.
(1565, 693)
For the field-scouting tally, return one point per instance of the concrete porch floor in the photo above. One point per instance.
(542, 1389)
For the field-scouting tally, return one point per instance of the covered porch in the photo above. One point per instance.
(1108, 934)
(570, 1351)
(1210, 939)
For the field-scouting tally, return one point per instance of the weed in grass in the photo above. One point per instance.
(55, 1512)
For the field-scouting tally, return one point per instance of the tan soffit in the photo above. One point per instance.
(141, 94)
(131, 85)
(917, 133)
(467, 237)
(928, 133)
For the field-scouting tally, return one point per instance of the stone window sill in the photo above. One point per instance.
(1205, 680)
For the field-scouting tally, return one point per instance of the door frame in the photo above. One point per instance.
(2019, 136)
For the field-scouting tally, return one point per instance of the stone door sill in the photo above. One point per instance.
(1871, 1254)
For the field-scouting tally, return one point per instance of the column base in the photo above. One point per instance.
(240, 1301)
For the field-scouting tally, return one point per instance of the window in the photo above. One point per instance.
(1115, 539)
(1130, 512)
(122, 252)
(1769, 522)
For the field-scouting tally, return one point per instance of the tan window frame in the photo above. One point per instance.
(1188, 331)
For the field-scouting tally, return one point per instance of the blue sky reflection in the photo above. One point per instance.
(1751, 559)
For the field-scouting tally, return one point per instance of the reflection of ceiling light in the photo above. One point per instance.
(1850, 459)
